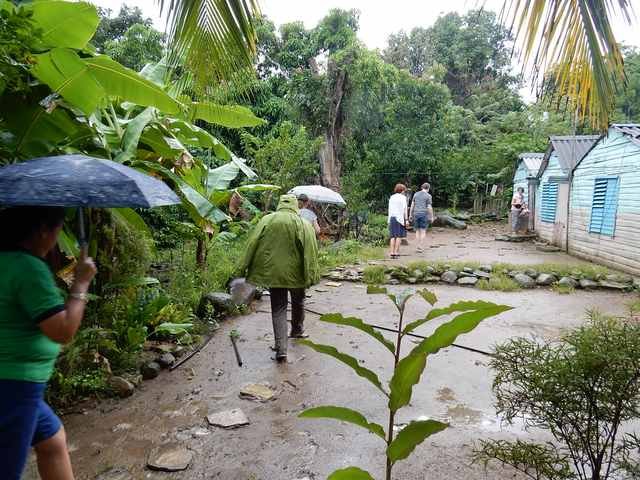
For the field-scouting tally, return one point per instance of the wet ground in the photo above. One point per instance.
(456, 387)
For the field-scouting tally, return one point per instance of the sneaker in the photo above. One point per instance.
(298, 335)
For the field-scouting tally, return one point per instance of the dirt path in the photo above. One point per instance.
(456, 387)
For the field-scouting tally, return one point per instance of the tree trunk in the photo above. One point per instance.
(329, 154)
(201, 253)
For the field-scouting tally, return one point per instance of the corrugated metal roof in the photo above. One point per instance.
(532, 162)
(571, 149)
(632, 130)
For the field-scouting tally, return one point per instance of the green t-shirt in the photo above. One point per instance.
(28, 295)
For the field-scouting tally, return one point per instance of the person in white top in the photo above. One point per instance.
(397, 219)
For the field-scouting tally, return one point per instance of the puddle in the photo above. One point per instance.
(445, 394)
(461, 415)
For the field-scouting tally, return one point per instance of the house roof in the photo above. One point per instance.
(570, 150)
(632, 130)
(532, 161)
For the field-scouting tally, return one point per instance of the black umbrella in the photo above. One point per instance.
(80, 181)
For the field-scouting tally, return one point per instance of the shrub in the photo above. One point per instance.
(581, 389)
(347, 252)
(499, 282)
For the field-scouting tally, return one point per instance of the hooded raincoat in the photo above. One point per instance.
(282, 251)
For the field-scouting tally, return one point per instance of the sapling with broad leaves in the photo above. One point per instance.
(407, 371)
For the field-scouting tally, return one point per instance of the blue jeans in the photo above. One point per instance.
(25, 421)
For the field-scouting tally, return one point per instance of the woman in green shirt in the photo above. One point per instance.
(34, 322)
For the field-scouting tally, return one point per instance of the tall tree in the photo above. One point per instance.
(115, 27)
(141, 44)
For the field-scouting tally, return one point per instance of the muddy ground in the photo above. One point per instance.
(456, 387)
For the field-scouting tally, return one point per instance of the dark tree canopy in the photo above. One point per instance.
(115, 27)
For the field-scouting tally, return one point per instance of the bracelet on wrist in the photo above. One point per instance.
(80, 296)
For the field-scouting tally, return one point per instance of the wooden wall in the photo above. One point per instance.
(614, 155)
(548, 231)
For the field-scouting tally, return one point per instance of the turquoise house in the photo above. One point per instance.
(527, 167)
(551, 203)
(604, 219)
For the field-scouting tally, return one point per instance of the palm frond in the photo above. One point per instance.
(213, 39)
(573, 41)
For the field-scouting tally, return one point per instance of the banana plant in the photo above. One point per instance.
(407, 371)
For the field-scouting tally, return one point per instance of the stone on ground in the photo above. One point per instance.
(166, 360)
(467, 270)
(116, 473)
(486, 268)
(619, 278)
(548, 248)
(482, 274)
(611, 285)
(220, 303)
(170, 458)
(568, 282)
(150, 370)
(228, 419)
(242, 292)
(465, 274)
(258, 392)
(546, 279)
(588, 284)
(122, 387)
(470, 281)
(449, 276)
(531, 273)
(524, 280)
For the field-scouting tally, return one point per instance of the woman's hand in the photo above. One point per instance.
(85, 271)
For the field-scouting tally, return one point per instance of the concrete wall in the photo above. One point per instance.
(614, 155)
(548, 231)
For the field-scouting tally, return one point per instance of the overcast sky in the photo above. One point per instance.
(378, 18)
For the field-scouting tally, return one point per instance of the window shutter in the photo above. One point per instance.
(604, 206)
(549, 202)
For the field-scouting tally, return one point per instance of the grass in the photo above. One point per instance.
(499, 282)
(563, 289)
(347, 253)
(374, 275)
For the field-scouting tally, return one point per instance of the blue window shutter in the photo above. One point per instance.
(604, 206)
(549, 202)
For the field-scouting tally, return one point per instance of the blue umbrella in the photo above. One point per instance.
(80, 181)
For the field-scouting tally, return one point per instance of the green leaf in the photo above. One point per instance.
(156, 72)
(65, 24)
(230, 116)
(220, 178)
(350, 473)
(345, 415)
(122, 82)
(129, 217)
(199, 208)
(242, 164)
(428, 295)
(65, 73)
(134, 282)
(193, 135)
(411, 436)
(347, 360)
(258, 187)
(376, 289)
(401, 299)
(169, 328)
(464, 306)
(354, 322)
(68, 243)
(132, 134)
(406, 375)
(447, 333)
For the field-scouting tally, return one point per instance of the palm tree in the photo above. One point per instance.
(214, 40)
(574, 40)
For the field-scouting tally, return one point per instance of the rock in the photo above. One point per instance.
(610, 285)
(418, 274)
(470, 281)
(404, 241)
(531, 273)
(546, 279)
(449, 276)
(166, 360)
(524, 280)
(568, 282)
(228, 419)
(122, 387)
(465, 274)
(221, 303)
(170, 458)
(432, 271)
(116, 473)
(467, 270)
(482, 274)
(636, 283)
(258, 392)
(134, 378)
(444, 220)
(486, 268)
(588, 284)
(619, 278)
(464, 216)
(515, 238)
(394, 281)
(242, 292)
(412, 280)
(150, 370)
